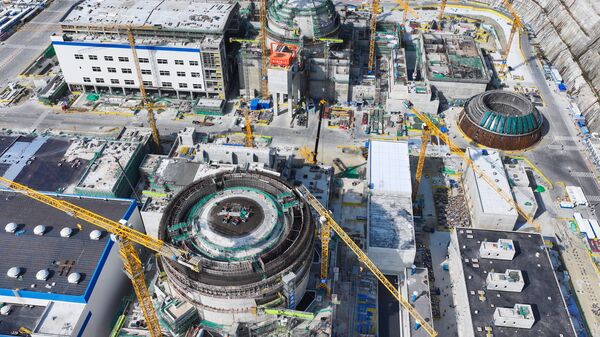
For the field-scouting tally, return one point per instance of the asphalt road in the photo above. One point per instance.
(25, 45)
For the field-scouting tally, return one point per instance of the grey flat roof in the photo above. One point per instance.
(551, 317)
(419, 282)
(20, 316)
(34, 253)
(5, 142)
(210, 17)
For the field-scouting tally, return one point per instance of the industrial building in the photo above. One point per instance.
(504, 285)
(254, 237)
(453, 65)
(502, 120)
(59, 277)
(181, 47)
(391, 233)
(488, 209)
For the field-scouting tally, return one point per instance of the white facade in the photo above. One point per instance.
(94, 65)
(488, 209)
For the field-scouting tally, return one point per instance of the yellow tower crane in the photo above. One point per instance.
(249, 136)
(421, 163)
(264, 84)
(469, 162)
(374, 13)
(406, 9)
(146, 102)
(327, 224)
(517, 25)
(442, 9)
(128, 237)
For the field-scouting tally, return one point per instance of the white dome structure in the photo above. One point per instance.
(5, 310)
(14, 272)
(66, 232)
(95, 234)
(74, 278)
(42, 275)
(39, 230)
(11, 227)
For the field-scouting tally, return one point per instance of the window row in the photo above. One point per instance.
(146, 72)
(141, 59)
(147, 83)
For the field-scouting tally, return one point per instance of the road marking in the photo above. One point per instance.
(563, 148)
(583, 175)
(567, 138)
(593, 198)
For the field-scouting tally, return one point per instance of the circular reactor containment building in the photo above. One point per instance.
(290, 20)
(254, 236)
(501, 120)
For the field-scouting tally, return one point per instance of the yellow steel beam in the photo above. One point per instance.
(264, 85)
(419, 173)
(372, 56)
(362, 257)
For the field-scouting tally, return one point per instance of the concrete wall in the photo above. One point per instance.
(459, 290)
(235, 154)
(391, 261)
(458, 90)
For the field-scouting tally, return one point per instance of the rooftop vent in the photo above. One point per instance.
(74, 278)
(95, 235)
(14, 272)
(42, 275)
(5, 310)
(11, 227)
(39, 230)
(66, 232)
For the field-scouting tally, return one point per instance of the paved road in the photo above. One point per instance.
(20, 49)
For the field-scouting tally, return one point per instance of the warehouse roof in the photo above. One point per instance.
(489, 161)
(389, 167)
(208, 17)
(541, 287)
(61, 256)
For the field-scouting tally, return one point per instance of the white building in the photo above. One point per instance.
(181, 47)
(68, 284)
(488, 209)
(390, 234)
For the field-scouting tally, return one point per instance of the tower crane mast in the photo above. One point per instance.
(374, 13)
(264, 84)
(442, 9)
(517, 25)
(469, 162)
(421, 163)
(128, 236)
(327, 223)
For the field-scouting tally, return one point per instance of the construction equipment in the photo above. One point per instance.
(249, 136)
(146, 102)
(374, 13)
(481, 35)
(311, 157)
(290, 313)
(128, 236)
(327, 224)
(405, 10)
(419, 173)
(469, 162)
(264, 84)
(442, 9)
(517, 25)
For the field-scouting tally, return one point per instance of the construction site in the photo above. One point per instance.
(298, 168)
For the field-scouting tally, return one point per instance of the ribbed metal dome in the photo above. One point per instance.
(501, 119)
(292, 19)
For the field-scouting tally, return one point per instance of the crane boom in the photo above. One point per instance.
(264, 84)
(516, 26)
(249, 136)
(476, 169)
(145, 101)
(329, 222)
(374, 13)
(131, 261)
(442, 9)
(419, 173)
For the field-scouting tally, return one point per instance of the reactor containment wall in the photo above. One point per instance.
(254, 237)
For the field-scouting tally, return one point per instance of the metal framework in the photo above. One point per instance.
(146, 102)
(264, 84)
(476, 169)
(329, 223)
(374, 13)
(406, 9)
(516, 26)
(419, 173)
(128, 236)
(249, 136)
